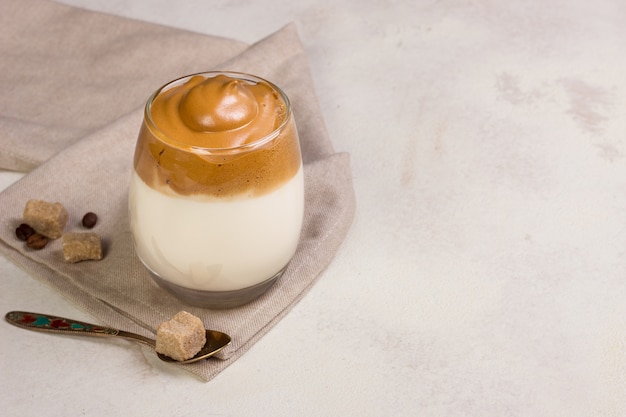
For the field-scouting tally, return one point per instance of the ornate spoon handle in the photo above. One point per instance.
(47, 323)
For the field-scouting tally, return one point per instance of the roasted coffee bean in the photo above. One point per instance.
(24, 231)
(89, 220)
(36, 241)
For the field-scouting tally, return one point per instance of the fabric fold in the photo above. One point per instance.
(68, 72)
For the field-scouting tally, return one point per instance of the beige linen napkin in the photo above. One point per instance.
(88, 161)
(66, 72)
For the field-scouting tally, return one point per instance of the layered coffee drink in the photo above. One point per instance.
(216, 195)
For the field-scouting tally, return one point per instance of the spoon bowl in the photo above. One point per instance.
(215, 341)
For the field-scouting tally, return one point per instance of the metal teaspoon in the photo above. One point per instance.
(215, 341)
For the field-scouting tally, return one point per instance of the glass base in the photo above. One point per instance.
(217, 299)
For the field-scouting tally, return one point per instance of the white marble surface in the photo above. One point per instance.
(485, 272)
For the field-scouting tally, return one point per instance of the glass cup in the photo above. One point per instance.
(216, 196)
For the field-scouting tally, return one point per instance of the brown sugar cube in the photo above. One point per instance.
(81, 247)
(48, 219)
(181, 337)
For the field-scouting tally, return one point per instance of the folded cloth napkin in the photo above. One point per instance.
(72, 116)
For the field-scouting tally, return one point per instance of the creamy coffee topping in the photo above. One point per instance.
(193, 133)
(218, 112)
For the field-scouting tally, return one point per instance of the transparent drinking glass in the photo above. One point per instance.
(216, 194)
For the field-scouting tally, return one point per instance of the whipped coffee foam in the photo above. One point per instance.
(218, 136)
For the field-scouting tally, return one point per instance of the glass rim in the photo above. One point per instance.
(207, 150)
